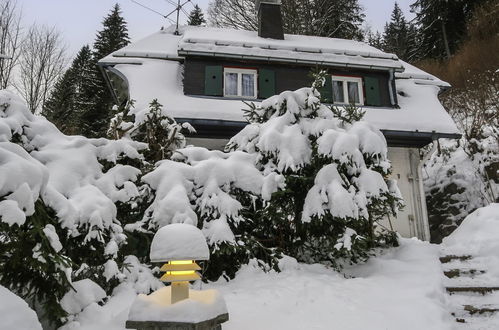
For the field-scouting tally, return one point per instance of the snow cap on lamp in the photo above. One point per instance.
(179, 241)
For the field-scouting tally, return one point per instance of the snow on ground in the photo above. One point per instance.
(202, 305)
(401, 289)
(478, 234)
(15, 313)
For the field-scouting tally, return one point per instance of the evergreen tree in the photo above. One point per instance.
(71, 93)
(374, 39)
(114, 35)
(196, 17)
(324, 160)
(396, 38)
(336, 19)
(442, 25)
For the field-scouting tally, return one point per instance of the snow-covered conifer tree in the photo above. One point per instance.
(58, 215)
(196, 16)
(335, 171)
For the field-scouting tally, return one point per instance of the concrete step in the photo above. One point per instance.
(458, 300)
(475, 289)
(467, 321)
(484, 309)
(457, 272)
(449, 258)
(481, 281)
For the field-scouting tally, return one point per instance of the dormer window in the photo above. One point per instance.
(240, 83)
(347, 90)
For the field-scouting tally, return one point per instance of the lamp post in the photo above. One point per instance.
(177, 307)
(179, 245)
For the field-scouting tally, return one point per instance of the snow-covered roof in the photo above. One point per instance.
(419, 76)
(209, 41)
(157, 78)
(294, 48)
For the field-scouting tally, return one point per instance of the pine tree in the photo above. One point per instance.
(71, 93)
(336, 19)
(374, 39)
(324, 159)
(396, 34)
(114, 35)
(196, 17)
(442, 25)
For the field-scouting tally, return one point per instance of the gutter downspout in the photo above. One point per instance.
(424, 211)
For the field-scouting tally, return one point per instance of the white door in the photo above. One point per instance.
(405, 222)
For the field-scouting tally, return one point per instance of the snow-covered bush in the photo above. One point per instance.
(331, 168)
(214, 191)
(458, 181)
(58, 215)
(161, 132)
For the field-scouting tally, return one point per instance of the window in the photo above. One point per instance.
(347, 90)
(240, 83)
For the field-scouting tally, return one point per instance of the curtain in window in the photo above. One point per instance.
(353, 92)
(231, 84)
(248, 84)
(338, 96)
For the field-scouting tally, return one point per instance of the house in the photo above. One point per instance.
(202, 74)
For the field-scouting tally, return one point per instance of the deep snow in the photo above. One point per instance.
(401, 289)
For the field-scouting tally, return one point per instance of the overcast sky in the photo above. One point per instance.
(78, 20)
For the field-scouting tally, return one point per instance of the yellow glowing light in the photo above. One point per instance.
(181, 262)
(181, 272)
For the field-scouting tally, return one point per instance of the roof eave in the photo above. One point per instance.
(183, 52)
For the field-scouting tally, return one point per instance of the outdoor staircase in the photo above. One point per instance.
(473, 294)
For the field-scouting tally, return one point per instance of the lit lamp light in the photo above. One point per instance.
(177, 306)
(179, 245)
(179, 273)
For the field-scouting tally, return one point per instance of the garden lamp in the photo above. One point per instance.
(179, 245)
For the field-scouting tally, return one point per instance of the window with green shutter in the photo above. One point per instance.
(213, 80)
(327, 91)
(266, 83)
(373, 96)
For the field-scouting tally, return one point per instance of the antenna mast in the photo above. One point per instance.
(178, 7)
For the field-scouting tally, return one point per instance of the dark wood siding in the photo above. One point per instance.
(287, 77)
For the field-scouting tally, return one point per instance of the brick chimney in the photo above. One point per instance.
(269, 19)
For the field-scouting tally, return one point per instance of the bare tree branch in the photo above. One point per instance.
(10, 40)
(43, 58)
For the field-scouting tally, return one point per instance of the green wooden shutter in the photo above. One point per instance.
(213, 80)
(266, 83)
(327, 90)
(373, 96)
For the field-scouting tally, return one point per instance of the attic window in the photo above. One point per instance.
(240, 83)
(347, 90)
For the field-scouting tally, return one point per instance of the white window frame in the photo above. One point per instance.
(345, 80)
(240, 72)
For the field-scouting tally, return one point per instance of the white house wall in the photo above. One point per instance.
(412, 220)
